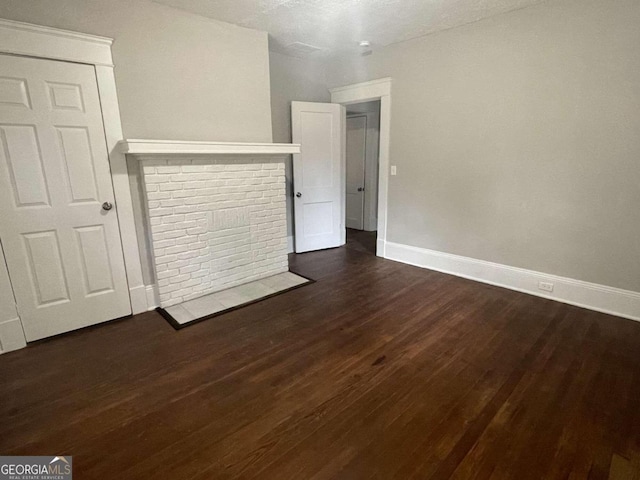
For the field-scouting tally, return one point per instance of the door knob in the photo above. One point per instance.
(298, 194)
(361, 189)
(107, 206)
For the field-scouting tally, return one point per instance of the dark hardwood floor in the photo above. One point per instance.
(377, 370)
(362, 241)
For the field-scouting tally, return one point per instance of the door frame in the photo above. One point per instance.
(379, 89)
(29, 40)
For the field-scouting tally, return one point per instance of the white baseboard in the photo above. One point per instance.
(153, 300)
(138, 299)
(290, 248)
(11, 336)
(614, 301)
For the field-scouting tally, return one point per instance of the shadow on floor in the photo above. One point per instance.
(362, 241)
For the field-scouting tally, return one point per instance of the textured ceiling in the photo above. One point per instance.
(336, 26)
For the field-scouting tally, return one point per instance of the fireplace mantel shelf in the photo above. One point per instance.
(171, 147)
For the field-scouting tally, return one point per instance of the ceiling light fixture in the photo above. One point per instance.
(364, 43)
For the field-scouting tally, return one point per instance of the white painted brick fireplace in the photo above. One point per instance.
(216, 221)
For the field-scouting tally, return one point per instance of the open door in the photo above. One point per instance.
(318, 175)
(355, 161)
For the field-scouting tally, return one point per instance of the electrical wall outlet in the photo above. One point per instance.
(393, 170)
(545, 286)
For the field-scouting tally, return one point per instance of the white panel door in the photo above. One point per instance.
(62, 247)
(318, 175)
(356, 157)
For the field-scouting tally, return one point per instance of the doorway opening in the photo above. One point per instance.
(362, 167)
(319, 170)
(379, 91)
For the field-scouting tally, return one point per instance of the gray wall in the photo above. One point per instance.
(179, 76)
(517, 139)
(293, 79)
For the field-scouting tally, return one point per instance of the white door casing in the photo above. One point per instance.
(11, 333)
(355, 166)
(379, 89)
(319, 175)
(63, 251)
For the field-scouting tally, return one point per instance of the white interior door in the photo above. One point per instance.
(356, 158)
(62, 247)
(318, 175)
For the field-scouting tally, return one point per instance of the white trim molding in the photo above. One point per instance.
(601, 298)
(361, 92)
(11, 335)
(153, 297)
(121, 187)
(176, 147)
(379, 89)
(30, 40)
(290, 244)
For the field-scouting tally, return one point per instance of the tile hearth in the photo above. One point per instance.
(232, 298)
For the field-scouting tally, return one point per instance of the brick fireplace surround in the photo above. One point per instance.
(216, 220)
